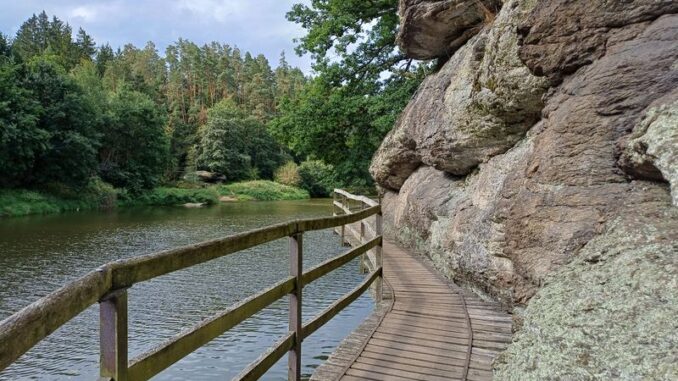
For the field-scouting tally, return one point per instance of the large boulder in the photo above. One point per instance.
(502, 170)
(610, 314)
(436, 28)
(477, 106)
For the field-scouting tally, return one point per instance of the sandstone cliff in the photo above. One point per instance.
(549, 137)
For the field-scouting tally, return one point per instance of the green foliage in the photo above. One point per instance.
(65, 127)
(318, 178)
(5, 46)
(339, 126)
(135, 148)
(236, 145)
(170, 197)
(39, 36)
(288, 174)
(363, 83)
(21, 140)
(262, 190)
(351, 40)
(56, 198)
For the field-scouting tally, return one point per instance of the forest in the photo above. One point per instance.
(77, 118)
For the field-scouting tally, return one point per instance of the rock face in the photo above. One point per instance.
(477, 106)
(436, 28)
(610, 313)
(652, 149)
(546, 137)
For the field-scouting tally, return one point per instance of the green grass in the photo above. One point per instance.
(259, 190)
(170, 197)
(55, 199)
(59, 199)
(262, 190)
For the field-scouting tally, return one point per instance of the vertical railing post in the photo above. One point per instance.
(362, 240)
(334, 205)
(113, 336)
(378, 251)
(296, 261)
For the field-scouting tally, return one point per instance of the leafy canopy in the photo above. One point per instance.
(362, 84)
(236, 145)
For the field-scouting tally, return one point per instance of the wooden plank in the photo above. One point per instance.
(336, 262)
(378, 252)
(331, 222)
(366, 375)
(267, 359)
(23, 330)
(295, 319)
(138, 269)
(449, 365)
(434, 360)
(341, 206)
(398, 372)
(398, 341)
(340, 304)
(421, 368)
(365, 200)
(129, 271)
(113, 336)
(148, 364)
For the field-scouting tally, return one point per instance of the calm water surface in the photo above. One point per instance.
(40, 254)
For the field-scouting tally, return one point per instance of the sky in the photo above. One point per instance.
(257, 26)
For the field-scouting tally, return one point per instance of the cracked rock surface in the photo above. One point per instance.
(548, 137)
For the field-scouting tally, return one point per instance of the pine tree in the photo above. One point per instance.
(86, 47)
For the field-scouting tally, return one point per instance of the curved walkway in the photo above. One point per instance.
(430, 330)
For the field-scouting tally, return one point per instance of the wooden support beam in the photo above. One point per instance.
(113, 336)
(174, 349)
(336, 307)
(267, 359)
(295, 318)
(362, 240)
(338, 261)
(379, 286)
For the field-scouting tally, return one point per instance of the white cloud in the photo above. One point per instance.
(220, 10)
(96, 12)
(85, 13)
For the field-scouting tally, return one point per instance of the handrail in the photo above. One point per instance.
(365, 200)
(108, 284)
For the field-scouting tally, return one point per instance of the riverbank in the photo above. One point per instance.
(22, 202)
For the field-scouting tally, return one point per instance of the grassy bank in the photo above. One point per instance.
(261, 190)
(56, 199)
(21, 202)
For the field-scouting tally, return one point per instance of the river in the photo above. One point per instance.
(41, 253)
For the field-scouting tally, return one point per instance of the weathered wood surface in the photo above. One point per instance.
(23, 330)
(159, 358)
(365, 200)
(267, 359)
(430, 330)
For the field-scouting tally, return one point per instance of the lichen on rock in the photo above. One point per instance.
(652, 149)
(610, 313)
(536, 162)
(477, 106)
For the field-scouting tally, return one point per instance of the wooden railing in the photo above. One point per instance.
(108, 286)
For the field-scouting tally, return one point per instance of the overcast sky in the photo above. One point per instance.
(258, 26)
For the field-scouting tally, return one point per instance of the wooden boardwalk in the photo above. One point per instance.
(429, 330)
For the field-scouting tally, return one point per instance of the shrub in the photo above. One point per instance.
(288, 174)
(262, 190)
(318, 178)
(170, 197)
(57, 198)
